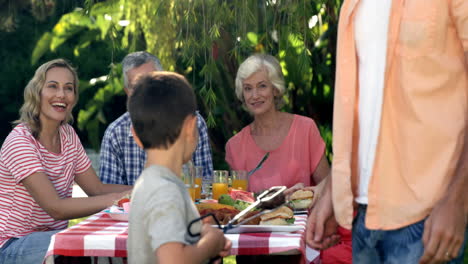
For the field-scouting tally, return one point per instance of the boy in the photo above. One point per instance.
(162, 110)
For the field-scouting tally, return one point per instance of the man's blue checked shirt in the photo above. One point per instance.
(122, 161)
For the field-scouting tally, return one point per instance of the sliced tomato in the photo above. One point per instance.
(122, 201)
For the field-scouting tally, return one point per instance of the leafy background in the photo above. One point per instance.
(203, 39)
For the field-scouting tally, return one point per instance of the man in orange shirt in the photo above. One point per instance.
(400, 136)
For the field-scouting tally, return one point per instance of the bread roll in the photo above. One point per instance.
(301, 199)
(302, 194)
(274, 221)
(301, 204)
(282, 212)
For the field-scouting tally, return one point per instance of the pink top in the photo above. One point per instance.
(21, 156)
(294, 161)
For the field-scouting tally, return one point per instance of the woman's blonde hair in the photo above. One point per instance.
(31, 108)
(271, 66)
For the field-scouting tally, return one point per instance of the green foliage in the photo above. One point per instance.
(206, 40)
(90, 33)
(10, 12)
(95, 24)
(93, 114)
(16, 46)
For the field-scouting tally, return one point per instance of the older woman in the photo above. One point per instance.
(297, 151)
(40, 159)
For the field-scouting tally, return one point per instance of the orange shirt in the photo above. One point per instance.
(423, 113)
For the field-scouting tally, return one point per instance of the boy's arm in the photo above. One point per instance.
(211, 244)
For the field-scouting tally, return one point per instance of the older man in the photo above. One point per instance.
(121, 160)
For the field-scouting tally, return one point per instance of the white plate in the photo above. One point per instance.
(264, 228)
(118, 216)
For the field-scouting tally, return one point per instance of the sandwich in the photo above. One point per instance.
(281, 216)
(301, 199)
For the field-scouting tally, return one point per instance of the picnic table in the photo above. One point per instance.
(101, 236)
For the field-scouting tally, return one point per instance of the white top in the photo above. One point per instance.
(371, 28)
(160, 211)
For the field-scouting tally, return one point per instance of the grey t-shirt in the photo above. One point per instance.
(160, 211)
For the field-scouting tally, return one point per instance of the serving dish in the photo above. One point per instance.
(117, 215)
(263, 228)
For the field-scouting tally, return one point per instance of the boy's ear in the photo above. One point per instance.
(136, 138)
(190, 125)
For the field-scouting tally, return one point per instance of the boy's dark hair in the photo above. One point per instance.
(160, 103)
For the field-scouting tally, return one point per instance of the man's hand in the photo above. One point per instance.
(321, 224)
(227, 248)
(444, 231)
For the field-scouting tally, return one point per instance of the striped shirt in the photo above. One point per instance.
(21, 156)
(122, 161)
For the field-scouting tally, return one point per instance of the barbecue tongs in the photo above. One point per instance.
(270, 199)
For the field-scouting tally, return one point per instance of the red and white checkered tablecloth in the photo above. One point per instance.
(101, 236)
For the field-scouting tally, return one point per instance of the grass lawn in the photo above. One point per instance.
(229, 260)
(76, 221)
(465, 260)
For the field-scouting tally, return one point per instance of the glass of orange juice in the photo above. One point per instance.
(239, 179)
(220, 183)
(198, 181)
(188, 174)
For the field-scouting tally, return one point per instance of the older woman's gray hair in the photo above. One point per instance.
(135, 60)
(258, 62)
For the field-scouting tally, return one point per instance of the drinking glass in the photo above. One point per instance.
(198, 181)
(220, 183)
(189, 180)
(239, 179)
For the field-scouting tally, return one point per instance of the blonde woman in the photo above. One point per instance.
(39, 161)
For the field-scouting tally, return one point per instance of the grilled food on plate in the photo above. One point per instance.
(224, 213)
